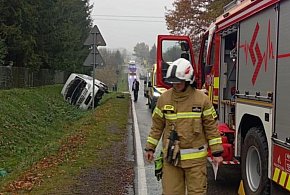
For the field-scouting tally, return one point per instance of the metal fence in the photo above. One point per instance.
(20, 77)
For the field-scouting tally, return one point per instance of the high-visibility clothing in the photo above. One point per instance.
(194, 118)
(177, 180)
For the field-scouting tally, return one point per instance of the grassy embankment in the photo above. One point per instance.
(45, 142)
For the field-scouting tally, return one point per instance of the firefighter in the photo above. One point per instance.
(186, 120)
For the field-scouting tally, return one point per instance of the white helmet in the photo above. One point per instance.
(180, 70)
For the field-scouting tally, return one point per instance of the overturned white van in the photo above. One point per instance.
(78, 91)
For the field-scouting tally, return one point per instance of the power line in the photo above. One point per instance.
(129, 20)
(121, 16)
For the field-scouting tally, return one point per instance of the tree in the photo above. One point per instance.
(119, 58)
(171, 54)
(214, 9)
(152, 55)
(3, 52)
(17, 23)
(72, 25)
(142, 51)
(45, 34)
(113, 61)
(192, 17)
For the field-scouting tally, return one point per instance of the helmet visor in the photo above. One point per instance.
(173, 80)
(171, 77)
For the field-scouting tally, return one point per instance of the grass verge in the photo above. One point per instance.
(47, 143)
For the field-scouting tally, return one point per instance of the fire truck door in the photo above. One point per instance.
(228, 75)
(282, 111)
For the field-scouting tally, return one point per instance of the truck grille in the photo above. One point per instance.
(82, 97)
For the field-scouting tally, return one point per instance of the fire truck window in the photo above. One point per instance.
(204, 52)
(212, 54)
(164, 66)
(171, 51)
(203, 58)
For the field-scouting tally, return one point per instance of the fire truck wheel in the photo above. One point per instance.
(255, 162)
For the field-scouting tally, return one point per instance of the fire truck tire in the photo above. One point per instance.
(255, 163)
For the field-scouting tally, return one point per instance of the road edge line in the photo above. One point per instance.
(142, 184)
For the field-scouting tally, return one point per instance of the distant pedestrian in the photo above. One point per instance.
(115, 88)
(135, 89)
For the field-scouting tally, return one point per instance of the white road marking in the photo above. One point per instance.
(142, 184)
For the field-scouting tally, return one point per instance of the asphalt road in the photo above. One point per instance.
(228, 178)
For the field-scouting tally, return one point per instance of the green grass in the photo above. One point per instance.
(37, 127)
(31, 123)
(123, 82)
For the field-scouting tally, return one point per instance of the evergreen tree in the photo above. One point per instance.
(45, 33)
(142, 51)
(152, 55)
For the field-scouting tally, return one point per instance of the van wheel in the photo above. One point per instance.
(255, 162)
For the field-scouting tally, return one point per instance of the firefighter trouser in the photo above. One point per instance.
(176, 180)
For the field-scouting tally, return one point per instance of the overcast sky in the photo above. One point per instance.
(121, 31)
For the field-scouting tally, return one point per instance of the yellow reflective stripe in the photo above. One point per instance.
(193, 150)
(193, 155)
(215, 141)
(188, 114)
(170, 116)
(288, 184)
(210, 89)
(208, 111)
(216, 98)
(152, 141)
(182, 115)
(276, 175)
(282, 178)
(216, 82)
(157, 111)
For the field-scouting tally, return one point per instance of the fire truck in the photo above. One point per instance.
(244, 65)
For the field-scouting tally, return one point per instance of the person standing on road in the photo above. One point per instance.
(186, 120)
(135, 89)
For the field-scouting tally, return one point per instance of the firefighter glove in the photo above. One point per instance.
(158, 167)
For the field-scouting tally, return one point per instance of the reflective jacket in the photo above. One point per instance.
(195, 121)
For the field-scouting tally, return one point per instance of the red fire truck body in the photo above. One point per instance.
(244, 65)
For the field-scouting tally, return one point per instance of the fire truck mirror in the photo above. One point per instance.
(185, 56)
(184, 46)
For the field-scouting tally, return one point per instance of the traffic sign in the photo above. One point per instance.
(90, 59)
(99, 40)
(94, 59)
